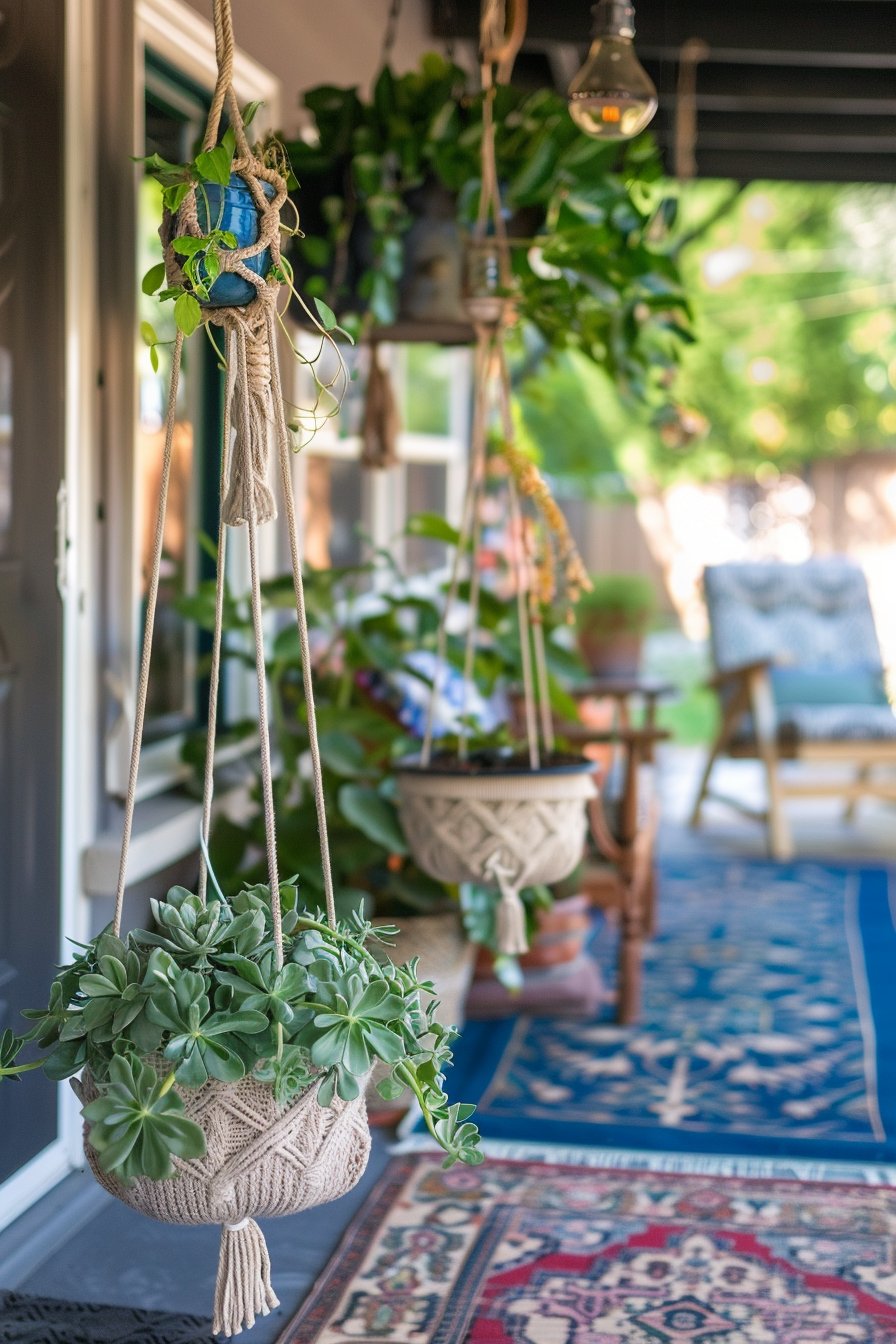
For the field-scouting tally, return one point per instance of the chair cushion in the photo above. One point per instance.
(823, 686)
(836, 723)
(814, 615)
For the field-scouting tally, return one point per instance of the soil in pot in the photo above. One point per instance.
(495, 761)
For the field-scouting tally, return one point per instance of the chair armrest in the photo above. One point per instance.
(744, 672)
(581, 734)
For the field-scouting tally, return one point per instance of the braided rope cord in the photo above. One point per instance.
(501, 33)
(253, 398)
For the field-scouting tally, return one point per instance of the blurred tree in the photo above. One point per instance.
(795, 356)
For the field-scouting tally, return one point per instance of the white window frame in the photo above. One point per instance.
(385, 506)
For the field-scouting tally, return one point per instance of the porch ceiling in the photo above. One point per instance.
(798, 89)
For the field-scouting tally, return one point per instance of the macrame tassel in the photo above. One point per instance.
(253, 411)
(243, 1287)
(382, 423)
(510, 916)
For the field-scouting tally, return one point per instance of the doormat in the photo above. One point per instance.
(47, 1320)
(768, 1029)
(516, 1252)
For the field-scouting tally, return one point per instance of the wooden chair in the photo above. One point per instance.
(619, 872)
(799, 677)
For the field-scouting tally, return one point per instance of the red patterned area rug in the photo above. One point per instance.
(523, 1253)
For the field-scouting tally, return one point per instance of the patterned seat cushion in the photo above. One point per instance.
(815, 624)
(814, 615)
(836, 723)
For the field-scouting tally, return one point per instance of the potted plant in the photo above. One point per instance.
(612, 620)
(229, 1044)
(591, 255)
(364, 640)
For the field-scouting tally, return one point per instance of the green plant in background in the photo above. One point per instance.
(790, 286)
(367, 620)
(617, 603)
(478, 908)
(590, 220)
(200, 997)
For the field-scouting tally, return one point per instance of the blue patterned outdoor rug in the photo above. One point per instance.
(768, 1029)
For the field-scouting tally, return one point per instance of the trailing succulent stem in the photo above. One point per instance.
(201, 996)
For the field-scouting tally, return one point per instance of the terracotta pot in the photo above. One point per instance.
(616, 654)
(562, 933)
(446, 958)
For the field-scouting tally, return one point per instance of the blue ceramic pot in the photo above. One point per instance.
(233, 209)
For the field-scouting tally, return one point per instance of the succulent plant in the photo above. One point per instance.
(202, 996)
(138, 1123)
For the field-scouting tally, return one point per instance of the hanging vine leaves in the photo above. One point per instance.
(591, 257)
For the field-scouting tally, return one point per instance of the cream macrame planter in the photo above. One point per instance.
(514, 829)
(261, 1160)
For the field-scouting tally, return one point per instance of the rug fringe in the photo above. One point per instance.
(683, 1164)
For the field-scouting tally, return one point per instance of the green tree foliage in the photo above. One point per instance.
(590, 220)
(795, 351)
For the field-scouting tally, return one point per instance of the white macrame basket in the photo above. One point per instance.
(517, 830)
(261, 1162)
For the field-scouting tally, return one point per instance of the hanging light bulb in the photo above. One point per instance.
(612, 97)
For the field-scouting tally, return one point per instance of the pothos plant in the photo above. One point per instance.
(200, 996)
(200, 266)
(594, 261)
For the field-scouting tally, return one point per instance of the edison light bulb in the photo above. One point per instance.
(612, 97)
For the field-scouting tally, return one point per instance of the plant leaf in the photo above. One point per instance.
(215, 164)
(327, 316)
(187, 314)
(153, 278)
(373, 815)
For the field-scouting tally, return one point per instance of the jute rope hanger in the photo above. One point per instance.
(261, 1159)
(253, 389)
(502, 29)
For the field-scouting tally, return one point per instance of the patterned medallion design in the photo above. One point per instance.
(522, 1253)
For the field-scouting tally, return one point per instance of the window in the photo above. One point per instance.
(344, 503)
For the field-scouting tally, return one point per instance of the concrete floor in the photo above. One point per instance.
(82, 1245)
(79, 1243)
(819, 828)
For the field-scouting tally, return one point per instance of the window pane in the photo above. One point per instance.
(427, 396)
(333, 509)
(426, 493)
(171, 699)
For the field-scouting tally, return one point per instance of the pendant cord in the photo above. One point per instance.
(208, 787)
(151, 603)
(285, 452)
(267, 786)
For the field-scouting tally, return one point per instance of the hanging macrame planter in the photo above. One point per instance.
(262, 1159)
(512, 828)
(512, 824)
(224, 1052)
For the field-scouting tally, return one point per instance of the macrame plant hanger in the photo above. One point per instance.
(306, 1154)
(441, 817)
